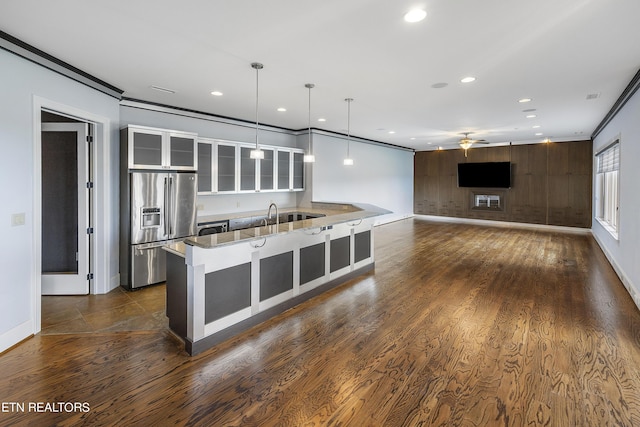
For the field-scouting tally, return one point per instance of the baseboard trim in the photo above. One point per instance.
(506, 224)
(628, 284)
(15, 336)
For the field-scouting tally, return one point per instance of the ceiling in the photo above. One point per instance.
(556, 52)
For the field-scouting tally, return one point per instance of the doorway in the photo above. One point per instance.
(66, 200)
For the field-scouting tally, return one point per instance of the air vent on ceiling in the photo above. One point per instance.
(162, 89)
(593, 95)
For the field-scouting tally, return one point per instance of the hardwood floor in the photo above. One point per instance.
(118, 310)
(460, 325)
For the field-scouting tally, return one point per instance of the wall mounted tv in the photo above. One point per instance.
(484, 175)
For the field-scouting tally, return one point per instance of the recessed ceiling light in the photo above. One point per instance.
(531, 116)
(529, 110)
(539, 134)
(322, 119)
(536, 126)
(522, 100)
(216, 93)
(392, 131)
(412, 138)
(468, 79)
(439, 85)
(415, 15)
(282, 109)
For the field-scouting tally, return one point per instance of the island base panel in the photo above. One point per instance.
(194, 348)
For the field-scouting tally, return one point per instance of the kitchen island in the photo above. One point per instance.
(219, 285)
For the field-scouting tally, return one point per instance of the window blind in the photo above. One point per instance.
(609, 159)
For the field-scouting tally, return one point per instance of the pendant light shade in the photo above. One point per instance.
(348, 161)
(309, 157)
(257, 153)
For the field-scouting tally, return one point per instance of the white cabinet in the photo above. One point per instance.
(297, 179)
(247, 169)
(284, 169)
(267, 170)
(152, 148)
(205, 167)
(225, 162)
(226, 167)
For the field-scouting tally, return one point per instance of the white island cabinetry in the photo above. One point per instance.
(225, 283)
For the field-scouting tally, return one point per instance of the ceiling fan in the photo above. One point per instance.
(466, 142)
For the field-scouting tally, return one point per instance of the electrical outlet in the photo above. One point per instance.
(17, 219)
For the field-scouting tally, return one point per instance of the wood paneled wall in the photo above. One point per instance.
(550, 183)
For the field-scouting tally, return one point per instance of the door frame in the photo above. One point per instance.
(100, 202)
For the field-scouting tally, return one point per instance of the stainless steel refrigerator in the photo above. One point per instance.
(160, 208)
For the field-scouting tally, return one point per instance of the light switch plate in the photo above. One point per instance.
(17, 219)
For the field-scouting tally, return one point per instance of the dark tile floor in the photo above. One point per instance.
(119, 310)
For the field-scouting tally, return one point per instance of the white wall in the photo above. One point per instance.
(624, 254)
(381, 175)
(23, 85)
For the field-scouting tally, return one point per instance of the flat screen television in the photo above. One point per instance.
(484, 175)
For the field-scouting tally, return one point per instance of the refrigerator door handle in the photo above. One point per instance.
(170, 197)
(166, 207)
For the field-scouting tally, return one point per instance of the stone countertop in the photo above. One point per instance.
(325, 208)
(336, 213)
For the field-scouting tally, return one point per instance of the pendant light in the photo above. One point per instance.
(256, 153)
(309, 158)
(348, 161)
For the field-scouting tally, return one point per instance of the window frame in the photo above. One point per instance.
(607, 187)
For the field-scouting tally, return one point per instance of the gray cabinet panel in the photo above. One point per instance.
(226, 168)
(205, 156)
(227, 291)
(147, 149)
(266, 170)
(312, 260)
(340, 253)
(276, 275)
(247, 170)
(176, 288)
(283, 170)
(362, 243)
(181, 151)
(298, 171)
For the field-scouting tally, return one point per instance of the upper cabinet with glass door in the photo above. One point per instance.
(152, 148)
(226, 167)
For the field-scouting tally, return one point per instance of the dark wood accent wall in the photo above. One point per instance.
(550, 183)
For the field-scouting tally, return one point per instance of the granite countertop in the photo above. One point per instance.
(335, 213)
(325, 208)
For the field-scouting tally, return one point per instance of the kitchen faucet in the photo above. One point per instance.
(269, 213)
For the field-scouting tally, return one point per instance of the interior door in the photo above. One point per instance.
(65, 209)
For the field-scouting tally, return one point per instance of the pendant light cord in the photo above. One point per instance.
(348, 124)
(309, 85)
(257, 66)
(257, 94)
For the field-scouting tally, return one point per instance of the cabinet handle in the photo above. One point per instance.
(315, 233)
(264, 242)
